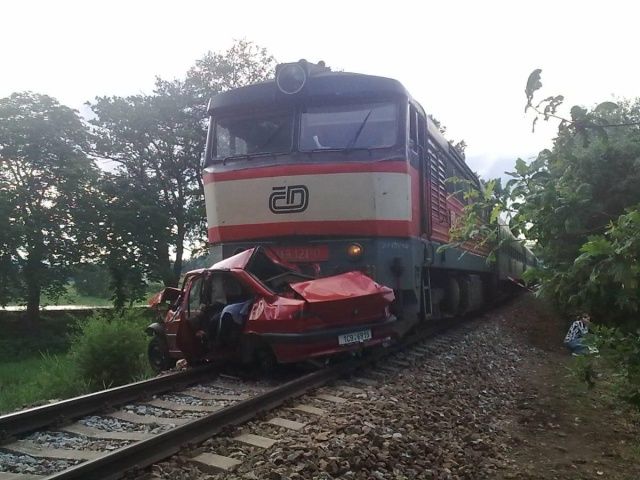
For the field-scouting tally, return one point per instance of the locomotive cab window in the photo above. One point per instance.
(252, 135)
(331, 127)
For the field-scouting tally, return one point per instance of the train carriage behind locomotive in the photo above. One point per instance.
(339, 171)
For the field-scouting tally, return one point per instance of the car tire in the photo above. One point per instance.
(158, 354)
(265, 361)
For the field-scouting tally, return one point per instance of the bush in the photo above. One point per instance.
(620, 352)
(110, 350)
(616, 366)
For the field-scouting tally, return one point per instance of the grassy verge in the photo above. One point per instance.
(72, 297)
(38, 379)
(72, 357)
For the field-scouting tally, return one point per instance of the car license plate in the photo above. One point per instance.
(355, 337)
(309, 253)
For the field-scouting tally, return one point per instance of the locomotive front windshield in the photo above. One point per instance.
(256, 134)
(326, 127)
(349, 126)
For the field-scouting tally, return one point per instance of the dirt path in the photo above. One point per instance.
(562, 429)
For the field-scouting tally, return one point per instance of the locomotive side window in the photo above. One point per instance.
(413, 129)
(417, 129)
(237, 136)
(331, 127)
(422, 130)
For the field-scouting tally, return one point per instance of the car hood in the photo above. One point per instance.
(244, 259)
(340, 287)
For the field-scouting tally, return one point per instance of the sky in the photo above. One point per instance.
(466, 62)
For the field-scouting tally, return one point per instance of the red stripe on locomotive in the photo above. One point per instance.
(390, 166)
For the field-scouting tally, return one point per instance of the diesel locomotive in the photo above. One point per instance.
(338, 172)
(341, 171)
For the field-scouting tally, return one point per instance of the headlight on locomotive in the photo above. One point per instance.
(290, 78)
(355, 251)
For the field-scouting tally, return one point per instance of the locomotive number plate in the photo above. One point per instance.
(355, 337)
(314, 253)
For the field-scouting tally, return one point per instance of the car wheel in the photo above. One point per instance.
(158, 354)
(265, 361)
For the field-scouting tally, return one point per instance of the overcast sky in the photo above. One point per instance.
(465, 62)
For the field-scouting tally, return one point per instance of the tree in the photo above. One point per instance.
(46, 185)
(242, 64)
(579, 203)
(157, 142)
(576, 203)
(133, 235)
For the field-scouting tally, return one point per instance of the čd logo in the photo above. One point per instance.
(289, 199)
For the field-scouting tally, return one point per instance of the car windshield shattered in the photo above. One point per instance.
(237, 136)
(372, 125)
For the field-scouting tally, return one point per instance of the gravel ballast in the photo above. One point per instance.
(73, 441)
(439, 412)
(110, 424)
(20, 463)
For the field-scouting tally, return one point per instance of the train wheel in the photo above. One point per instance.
(465, 295)
(158, 354)
(451, 302)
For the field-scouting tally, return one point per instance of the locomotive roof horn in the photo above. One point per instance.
(292, 77)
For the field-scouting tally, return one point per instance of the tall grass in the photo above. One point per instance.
(104, 350)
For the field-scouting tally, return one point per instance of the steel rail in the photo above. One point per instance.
(146, 452)
(163, 445)
(31, 419)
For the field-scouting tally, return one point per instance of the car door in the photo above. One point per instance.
(190, 317)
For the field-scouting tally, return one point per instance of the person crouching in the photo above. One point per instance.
(574, 339)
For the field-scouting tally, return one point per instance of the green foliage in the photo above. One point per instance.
(575, 203)
(42, 377)
(57, 210)
(91, 280)
(620, 355)
(579, 203)
(45, 193)
(33, 366)
(153, 201)
(18, 342)
(481, 216)
(242, 64)
(110, 350)
(608, 270)
(101, 350)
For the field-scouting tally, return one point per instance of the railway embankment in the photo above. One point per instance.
(490, 398)
(497, 401)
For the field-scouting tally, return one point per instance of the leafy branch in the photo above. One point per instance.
(580, 120)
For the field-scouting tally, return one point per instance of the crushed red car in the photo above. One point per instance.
(253, 307)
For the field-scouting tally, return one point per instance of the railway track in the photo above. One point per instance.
(142, 423)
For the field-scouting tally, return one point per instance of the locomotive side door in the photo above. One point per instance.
(418, 147)
(418, 154)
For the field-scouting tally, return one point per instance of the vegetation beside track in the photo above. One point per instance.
(71, 356)
(565, 427)
(578, 204)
